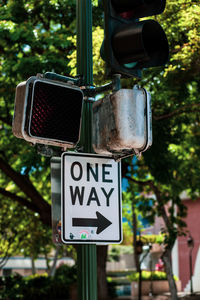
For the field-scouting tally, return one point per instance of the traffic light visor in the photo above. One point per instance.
(142, 42)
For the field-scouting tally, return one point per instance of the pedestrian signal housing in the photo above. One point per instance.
(48, 112)
(122, 123)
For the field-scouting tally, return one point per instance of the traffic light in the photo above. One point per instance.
(122, 123)
(129, 44)
(48, 112)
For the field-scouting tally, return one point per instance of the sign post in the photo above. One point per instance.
(86, 254)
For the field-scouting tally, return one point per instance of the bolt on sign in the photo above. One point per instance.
(91, 199)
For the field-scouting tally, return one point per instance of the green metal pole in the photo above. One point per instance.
(86, 254)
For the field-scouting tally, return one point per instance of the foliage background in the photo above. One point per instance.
(38, 36)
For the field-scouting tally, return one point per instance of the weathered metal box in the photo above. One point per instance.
(48, 112)
(122, 122)
(21, 102)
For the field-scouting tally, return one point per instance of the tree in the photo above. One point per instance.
(33, 40)
(37, 36)
(171, 166)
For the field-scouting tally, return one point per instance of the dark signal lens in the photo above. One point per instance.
(56, 112)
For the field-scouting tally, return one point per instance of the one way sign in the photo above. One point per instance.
(91, 199)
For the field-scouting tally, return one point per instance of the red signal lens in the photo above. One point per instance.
(127, 15)
(55, 112)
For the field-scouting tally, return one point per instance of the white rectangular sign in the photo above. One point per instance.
(91, 199)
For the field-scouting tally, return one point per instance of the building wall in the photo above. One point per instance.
(193, 226)
(22, 265)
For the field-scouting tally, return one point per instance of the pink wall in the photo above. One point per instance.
(193, 226)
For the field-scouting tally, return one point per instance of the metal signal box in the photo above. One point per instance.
(122, 122)
(48, 112)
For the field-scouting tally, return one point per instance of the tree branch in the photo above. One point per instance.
(160, 205)
(6, 121)
(139, 182)
(20, 200)
(27, 187)
(177, 111)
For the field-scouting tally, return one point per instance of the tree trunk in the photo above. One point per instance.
(3, 261)
(53, 268)
(101, 273)
(170, 277)
(33, 265)
(136, 256)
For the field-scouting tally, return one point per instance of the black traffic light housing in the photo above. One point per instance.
(48, 112)
(129, 44)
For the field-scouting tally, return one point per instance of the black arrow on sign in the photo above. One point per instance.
(101, 222)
